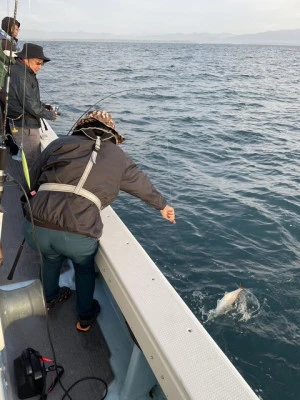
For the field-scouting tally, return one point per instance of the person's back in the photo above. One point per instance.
(73, 179)
(64, 161)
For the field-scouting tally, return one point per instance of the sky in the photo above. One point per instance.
(140, 17)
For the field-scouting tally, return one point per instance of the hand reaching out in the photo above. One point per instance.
(168, 213)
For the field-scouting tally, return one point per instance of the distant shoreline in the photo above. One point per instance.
(277, 38)
(156, 42)
(163, 42)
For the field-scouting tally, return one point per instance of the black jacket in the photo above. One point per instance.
(24, 96)
(63, 161)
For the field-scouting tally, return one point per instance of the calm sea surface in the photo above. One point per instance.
(217, 129)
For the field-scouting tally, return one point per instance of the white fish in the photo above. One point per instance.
(227, 301)
(224, 304)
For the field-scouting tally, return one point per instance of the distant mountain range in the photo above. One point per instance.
(280, 37)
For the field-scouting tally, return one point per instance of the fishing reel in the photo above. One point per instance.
(56, 109)
(53, 107)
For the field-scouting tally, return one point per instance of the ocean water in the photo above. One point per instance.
(216, 127)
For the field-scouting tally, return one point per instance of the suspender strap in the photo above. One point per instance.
(88, 167)
(62, 187)
(78, 189)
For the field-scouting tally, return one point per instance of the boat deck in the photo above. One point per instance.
(82, 355)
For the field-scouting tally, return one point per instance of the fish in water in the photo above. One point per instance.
(224, 304)
(227, 301)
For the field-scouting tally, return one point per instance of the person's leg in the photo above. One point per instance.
(50, 270)
(81, 250)
(45, 239)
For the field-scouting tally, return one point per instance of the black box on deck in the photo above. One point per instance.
(30, 374)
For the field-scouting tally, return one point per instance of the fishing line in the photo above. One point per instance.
(50, 97)
(182, 274)
(171, 194)
(103, 98)
(169, 173)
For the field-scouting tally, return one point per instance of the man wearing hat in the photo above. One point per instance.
(75, 177)
(25, 108)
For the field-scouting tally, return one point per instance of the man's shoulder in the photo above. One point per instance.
(65, 141)
(21, 71)
(18, 67)
(60, 141)
(17, 74)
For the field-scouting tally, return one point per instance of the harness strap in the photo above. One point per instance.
(63, 187)
(88, 167)
(78, 189)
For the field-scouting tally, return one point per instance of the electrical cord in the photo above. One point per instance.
(54, 368)
(85, 379)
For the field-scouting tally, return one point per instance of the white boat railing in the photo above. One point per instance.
(186, 361)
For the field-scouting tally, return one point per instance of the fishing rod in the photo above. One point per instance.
(3, 146)
(103, 98)
(8, 78)
(2, 180)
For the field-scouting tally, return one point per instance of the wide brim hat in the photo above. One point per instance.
(31, 50)
(104, 118)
